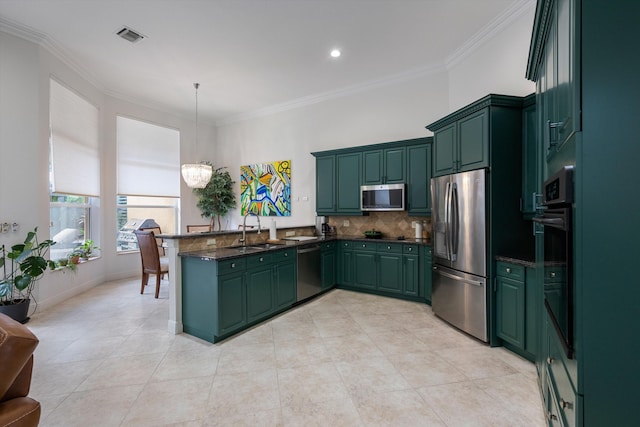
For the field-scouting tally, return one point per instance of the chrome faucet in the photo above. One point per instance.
(244, 227)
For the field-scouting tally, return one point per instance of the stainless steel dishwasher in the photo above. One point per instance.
(309, 276)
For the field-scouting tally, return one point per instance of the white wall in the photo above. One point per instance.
(498, 66)
(384, 114)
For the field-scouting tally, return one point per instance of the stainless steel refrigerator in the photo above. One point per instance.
(459, 220)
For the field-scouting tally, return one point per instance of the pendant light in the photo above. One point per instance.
(196, 175)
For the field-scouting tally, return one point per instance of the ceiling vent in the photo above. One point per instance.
(129, 35)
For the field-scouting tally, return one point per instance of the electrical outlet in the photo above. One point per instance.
(290, 233)
(305, 198)
(211, 241)
(345, 223)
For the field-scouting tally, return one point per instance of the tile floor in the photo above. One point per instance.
(345, 359)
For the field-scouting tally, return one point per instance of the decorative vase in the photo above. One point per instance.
(17, 309)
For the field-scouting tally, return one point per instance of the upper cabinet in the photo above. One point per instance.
(386, 166)
(530, 161)
(552, 63)
(340, 173)
(461, 140)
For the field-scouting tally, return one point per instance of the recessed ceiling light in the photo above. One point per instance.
(335, 53)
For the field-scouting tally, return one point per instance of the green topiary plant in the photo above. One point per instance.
(217, 198)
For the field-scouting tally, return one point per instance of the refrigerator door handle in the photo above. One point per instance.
(447, 219)
(455, 226)
(458, 278)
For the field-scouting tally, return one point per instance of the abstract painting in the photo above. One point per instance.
(265, 188)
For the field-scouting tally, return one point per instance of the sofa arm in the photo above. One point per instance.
(20, 412)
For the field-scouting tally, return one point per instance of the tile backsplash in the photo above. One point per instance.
(391, 224)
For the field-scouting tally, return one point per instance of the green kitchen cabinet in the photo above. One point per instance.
(328, 261)
(389, 263)
(348, 168)
(411, 270)
(345, 263)
(510, 310)
(463, 145)
(260, 287)
(384, 166)
(427, 262)
(326, 185)
(419, 179)
(231, 301)
(364, 268)
(285, 283)
(530, 158)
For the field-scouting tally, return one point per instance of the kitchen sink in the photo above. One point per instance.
(255, 247)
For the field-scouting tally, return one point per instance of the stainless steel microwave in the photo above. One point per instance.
(382, 197)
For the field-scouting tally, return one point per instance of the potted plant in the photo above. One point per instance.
(85, 250)
(21, 268)
(217, 198)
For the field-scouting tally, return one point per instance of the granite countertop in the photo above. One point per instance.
(525, 260)
(229, 252)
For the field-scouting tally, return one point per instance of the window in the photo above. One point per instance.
(148, 179)
(74, 170)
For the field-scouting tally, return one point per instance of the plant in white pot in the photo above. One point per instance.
(20, 269)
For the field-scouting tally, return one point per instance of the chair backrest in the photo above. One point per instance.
(148, 250)
(159, 241)
(204, 228)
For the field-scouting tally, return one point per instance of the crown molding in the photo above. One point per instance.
(333, 94)
(498, 24)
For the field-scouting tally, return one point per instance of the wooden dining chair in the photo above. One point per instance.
(159, 241)
(152, 262)
(204, 228)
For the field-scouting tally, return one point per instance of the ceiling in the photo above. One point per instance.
(252, 55)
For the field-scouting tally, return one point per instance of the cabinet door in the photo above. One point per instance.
(345, 264)
(325, 185)
(444, 150)
(473, 138)
(530, 175)
(364, 266)
(328, 268)
(510, 310)
(372, 172)
(426, 274)
(260, 291)
(232, 314)
(411, 279)
(394, 166)
(390, 273)
(419, 179)
(285, 284)
(533, 310)
(565, 71)
(348, 185)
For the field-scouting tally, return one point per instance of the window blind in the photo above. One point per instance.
(75, 156)
(148, 159)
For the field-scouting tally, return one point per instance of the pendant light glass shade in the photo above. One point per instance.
(196, 175)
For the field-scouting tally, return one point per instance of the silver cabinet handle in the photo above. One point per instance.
(261, 259)
(388, 247)
(549, 360)
(508, 270)
(553, 274)
(410, 249)
(286, 254)
(233, 265)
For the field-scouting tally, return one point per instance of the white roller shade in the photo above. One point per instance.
(75, 155)
(148, 159)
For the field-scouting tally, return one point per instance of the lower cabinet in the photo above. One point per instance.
(345, 263)
(411, 270)
(328, 264)
(220, 298)
(518, 308)
(427, 280)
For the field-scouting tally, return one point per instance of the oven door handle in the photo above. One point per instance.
(557, 222)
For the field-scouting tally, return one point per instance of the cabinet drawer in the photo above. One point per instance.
(364, 246)
(327, 246)
(389, 248)
(410, 249)
(284, 255)
(512, 271)
(560, 381)
(231, 265)
(555, 274)
(428, 251)
(346, 245)
(259, 260)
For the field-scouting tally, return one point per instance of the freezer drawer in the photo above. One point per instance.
(460, 299)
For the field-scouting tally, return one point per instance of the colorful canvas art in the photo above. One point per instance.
(265, 188)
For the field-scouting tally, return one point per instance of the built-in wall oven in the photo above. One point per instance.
(559, 287)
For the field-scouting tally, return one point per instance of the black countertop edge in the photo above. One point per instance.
(525, 261)
(234, 252)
